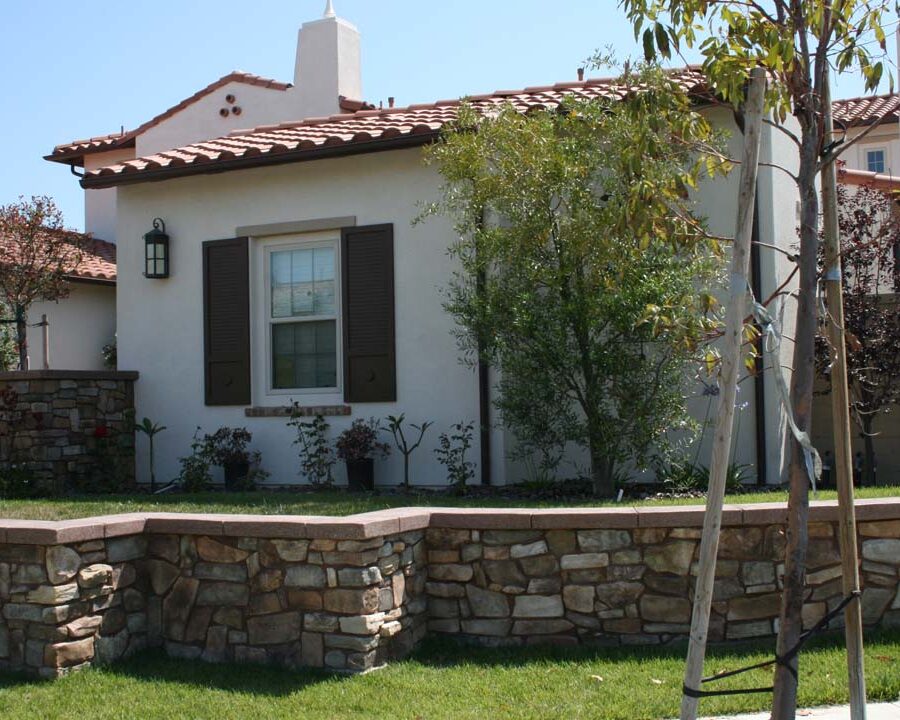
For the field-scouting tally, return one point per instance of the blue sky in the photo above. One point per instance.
(77, 69)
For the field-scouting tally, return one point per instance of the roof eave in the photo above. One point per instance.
(255, 161)
(76, 157)
(81, 280)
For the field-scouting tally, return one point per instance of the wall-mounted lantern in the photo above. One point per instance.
(156, 251)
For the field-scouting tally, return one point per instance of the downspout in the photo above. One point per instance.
(759, 376)
(484, 390)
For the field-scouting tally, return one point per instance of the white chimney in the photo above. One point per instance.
(328, 65)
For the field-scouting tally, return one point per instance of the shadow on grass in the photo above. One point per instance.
(154, 667)
(450, 652)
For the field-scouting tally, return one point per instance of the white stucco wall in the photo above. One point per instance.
(201, 119)
(80, 325)
(100, 205)
(160, 322)
(884, 138)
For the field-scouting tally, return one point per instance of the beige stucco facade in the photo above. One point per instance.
(79, 326)
(160, 322)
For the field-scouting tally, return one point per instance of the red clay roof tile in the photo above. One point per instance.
(77, 149)
(98, 260)
(867, 110)
(367, 129)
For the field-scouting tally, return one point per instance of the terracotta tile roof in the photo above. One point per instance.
(98, 262)
(358, 132)
(77, 149)
(349, 105)
(867, 110)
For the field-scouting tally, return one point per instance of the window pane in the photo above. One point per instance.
(875, 161)
(304, 355)
(323, 264)
(302, 282)
(281, 284)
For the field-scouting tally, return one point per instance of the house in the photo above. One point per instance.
(878, 152)
(296, 273)
(873, 161)
(82, 323)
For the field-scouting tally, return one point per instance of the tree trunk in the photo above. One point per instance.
(21, 337)
(868, 477)
(784, 703)
(602, 469)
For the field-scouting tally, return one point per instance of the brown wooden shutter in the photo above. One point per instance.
(226, 321)
(367, 262)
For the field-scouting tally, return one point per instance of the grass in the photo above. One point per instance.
(326, 503)
(444, 680)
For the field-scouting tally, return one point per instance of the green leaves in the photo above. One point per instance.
(149, 428)
(581, 266)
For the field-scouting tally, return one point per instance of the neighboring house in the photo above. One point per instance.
(878, 153)
(874, 161)
(80, 324)
(297, 274)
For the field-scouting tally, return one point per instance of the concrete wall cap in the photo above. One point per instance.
(396, 520)
(585, 518)
(19, 375)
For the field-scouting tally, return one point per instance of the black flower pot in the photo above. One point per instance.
(361, 475)
(235, 473)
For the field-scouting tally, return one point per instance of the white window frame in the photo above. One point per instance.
(884, 153)
(308, 242)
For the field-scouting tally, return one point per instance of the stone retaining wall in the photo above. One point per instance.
(68, 426)
(351, 593)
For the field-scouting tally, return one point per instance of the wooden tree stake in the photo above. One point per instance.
(731, 361)
(840, 412)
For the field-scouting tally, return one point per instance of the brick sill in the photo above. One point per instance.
(304, 411)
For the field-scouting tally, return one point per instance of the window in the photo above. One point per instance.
(875, 160)
(302, 316)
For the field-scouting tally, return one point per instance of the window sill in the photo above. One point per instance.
(304, 411)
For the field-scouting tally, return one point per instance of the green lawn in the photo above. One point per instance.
(442, 681)
(323, 503)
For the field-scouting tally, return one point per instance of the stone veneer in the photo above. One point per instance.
(60, 424)
(352, 593)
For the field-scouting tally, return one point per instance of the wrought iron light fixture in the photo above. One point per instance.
(156, 251)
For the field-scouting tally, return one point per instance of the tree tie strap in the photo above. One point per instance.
(783, 660)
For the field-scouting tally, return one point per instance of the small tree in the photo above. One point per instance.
(870, 243)
(797, 42)
(38, 255)
(151, 430)
(395, 425)
(9, 356)
(586, 288)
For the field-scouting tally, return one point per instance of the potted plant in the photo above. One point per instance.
(228, 448)
(357, 446)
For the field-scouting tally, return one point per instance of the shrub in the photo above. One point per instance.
(229, 445)
(17, 483)
(683, 476)
(360, 441)
(195, 475)
(316, 455)
(451, 453)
